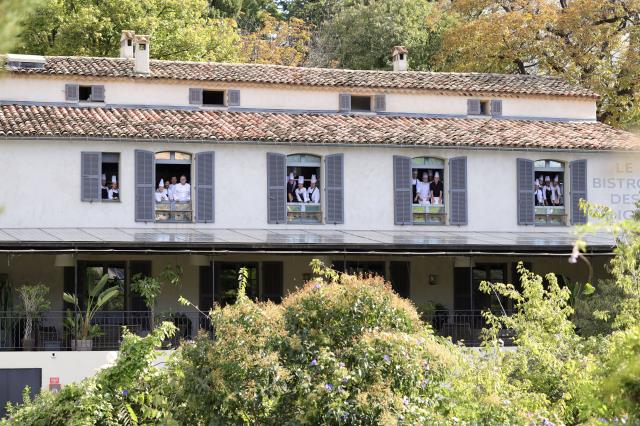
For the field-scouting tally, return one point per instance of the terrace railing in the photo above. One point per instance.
(51, 333)
(464, 326)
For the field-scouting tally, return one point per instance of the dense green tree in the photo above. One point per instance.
(594, 43)
(362, 35)
(248, 13)
(11, 12)
(180, 29)
(314, 12)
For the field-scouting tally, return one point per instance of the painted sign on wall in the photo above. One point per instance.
(618, 189)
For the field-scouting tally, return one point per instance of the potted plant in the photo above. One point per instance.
(151, 287)
(79, 322)
(34, 303)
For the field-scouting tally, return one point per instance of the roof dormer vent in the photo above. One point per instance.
(126, 44)
(399, 57)
(25, 61)
(142, 53)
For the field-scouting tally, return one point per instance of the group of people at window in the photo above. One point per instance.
(546, 192)
(297, 192)
(110, 190)
(173, 190)
(428, 189)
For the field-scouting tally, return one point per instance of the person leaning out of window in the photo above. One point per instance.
(436, 190)
(313, 191)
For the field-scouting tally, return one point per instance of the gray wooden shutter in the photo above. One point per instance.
(496, 107)
(334, 200)
(144, 207)
(578, 170)
(473, 107)
(345, 102)
(205, 195)
(402, 190)
(195, 96)
(234, 97)
(276, 188)
(458, 191)
(91, 165)
(380, 102)
(72, 92)
(97, 93)
(526, 205)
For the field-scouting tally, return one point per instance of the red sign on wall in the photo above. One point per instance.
(54, 380)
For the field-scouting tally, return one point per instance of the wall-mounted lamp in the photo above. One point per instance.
(433, 279)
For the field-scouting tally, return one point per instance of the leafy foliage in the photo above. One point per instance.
(149, 288)
(180, 29)
(362, 36)
(34, 302)
(79, 321)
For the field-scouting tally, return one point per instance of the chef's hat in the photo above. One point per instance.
(536, 182)
(291, 177)
(437, 175)
(556, 178)
(301, 180)
(313, 179)
(161, 183)
(114, 179)
(104, 177)
(547, 179)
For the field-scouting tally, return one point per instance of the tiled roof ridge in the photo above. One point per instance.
(458, 82)
(72, 122)
(280, 66)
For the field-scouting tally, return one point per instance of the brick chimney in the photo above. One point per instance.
(399, 57)
(142, 53)
(126, 44)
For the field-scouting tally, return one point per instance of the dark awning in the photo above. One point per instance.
(293, 240)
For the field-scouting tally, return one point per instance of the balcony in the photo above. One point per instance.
(51, 331)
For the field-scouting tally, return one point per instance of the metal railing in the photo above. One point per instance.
(54, 330)
(464, 326)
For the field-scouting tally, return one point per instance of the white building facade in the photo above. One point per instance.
(85, 143)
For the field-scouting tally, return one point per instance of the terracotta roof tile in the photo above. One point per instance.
(277, 74)
(25, 121)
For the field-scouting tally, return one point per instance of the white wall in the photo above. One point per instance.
(47, 179)
(161, 93)
(69, 367)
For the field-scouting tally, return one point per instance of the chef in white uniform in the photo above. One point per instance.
(538, 193)
(547, 191)
(423, 188)
(113, 193)
(161, 192)
(182, 190)
(104, 190)
(313, 191)
(301, 192)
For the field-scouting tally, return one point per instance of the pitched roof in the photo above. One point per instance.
(25, 121)
(277, 74)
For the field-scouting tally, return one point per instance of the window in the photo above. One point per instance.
(354, 267)
(172, 187)
(99, 178)
(91, 93)
(484, 107)
(304, 204)
(226, 281)
(360, 103)
(213, 97)
(427, 185)
(549, 192)
(109, 183)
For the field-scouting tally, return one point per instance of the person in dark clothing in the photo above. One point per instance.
(437, 189)
(414, 183)
(291, 189)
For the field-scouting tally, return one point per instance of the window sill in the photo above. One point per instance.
(110, 201)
